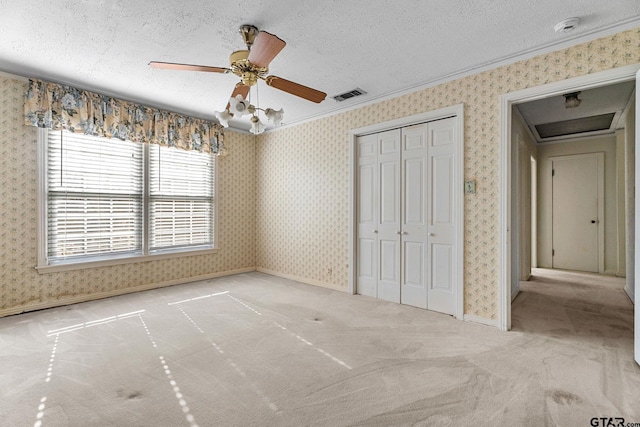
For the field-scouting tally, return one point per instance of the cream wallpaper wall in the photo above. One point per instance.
(21, 287)
(303, 171)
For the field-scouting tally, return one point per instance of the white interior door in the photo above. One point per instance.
(414, 216)
(389, 227)
(441, 230)
(368, 200)
(577, 218)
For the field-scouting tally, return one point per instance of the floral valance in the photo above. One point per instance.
(55, 106)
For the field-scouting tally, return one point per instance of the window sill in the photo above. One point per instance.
(130, 259)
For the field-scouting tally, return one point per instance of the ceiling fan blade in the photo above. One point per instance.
(265, 47)
(296, 89)
(240, 89)
(188, 67)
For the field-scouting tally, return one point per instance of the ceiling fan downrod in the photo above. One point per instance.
(249, 33)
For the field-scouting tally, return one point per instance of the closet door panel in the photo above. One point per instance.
(367, 214)
(389, 226)
(414, 216)
(390, 193)
(441, 292)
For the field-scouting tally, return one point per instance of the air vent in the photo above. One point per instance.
(570, 127)
(343, 96)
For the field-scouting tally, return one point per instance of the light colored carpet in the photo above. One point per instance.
(254, 349)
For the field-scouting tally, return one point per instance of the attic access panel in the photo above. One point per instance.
(575, 126)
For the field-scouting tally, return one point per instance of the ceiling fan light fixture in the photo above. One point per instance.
(274, 116)
(256, 126)
(223, 117)
(250, 65)
(239, 106)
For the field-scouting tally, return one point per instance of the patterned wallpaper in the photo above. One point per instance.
(21, 285)
(303, 171)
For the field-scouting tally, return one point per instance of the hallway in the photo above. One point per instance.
(574, 306)
(589, 319)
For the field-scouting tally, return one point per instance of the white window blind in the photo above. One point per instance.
(180, 198)
(94, 198)
(100, 200)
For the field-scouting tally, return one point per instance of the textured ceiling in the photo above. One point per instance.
(383, 47)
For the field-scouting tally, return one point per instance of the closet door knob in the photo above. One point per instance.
(375, 231)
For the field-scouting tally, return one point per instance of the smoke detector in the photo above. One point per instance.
(567, 25)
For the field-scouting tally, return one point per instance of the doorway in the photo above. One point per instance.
(509, 223)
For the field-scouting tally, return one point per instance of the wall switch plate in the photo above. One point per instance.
(470, 187)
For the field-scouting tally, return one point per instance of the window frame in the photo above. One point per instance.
(43, 264)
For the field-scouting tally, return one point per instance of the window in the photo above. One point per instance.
(107, 199)
(180, 198)
(94, 197)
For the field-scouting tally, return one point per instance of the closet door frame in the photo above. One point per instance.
(456, 111)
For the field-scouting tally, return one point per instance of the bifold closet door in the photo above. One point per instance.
(367, 207)
(405, 215)
(427, 216)
(392, 210)
(379, 215)
(441, 230)
(414, 234)
(389, 227)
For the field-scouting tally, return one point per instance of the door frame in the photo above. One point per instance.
(599, 156)
(456, 111)
(506, 222)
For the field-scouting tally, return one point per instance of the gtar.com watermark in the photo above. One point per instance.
(612, 422)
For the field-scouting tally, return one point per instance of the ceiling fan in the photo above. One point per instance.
(251, 64)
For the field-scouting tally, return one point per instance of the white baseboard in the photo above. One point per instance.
(612, 273)
(99, 295)
(481, 320)
(515, 294)
(303, 280)
(630, 293)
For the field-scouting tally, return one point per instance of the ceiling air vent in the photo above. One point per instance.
(344, 96)
(570, 127)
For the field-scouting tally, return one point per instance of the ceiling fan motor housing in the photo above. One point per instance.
(241, 67)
